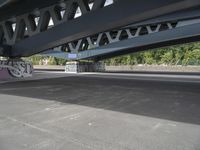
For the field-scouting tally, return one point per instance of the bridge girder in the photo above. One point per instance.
(28, 38)
(130, 39)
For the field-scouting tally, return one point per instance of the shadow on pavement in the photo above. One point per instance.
(166, 100)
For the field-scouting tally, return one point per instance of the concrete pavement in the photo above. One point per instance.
(100, 112)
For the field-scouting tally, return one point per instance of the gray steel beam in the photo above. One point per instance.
(179, 35)
(22, 7)
(5, 50)
(122, 13)
(177, 16)
(4, 3)
(184, 34)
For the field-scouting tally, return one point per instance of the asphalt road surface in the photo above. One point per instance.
(55, 111)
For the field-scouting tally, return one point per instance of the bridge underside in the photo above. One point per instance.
(95, 29)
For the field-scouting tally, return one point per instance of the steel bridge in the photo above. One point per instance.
(97, 29)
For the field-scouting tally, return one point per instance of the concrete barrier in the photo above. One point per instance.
(76, 67)
(148, 68)
(156, 68)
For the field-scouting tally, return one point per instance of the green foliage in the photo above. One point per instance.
(187, 54)
(52, 61)
(38, 60)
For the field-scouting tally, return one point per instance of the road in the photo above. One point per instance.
(100, 111)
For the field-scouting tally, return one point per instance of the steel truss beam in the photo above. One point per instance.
(5, 50)
(4, 3)
(114, 36)
(14, 8)
(21, 27)
(28, 37)
(174, 36)
(35, 22)
(130, 39)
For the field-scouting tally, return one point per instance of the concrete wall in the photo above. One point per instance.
(154, 68)
(135, 68)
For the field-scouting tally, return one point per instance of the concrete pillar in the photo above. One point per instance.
(77, 67)
(16, 68)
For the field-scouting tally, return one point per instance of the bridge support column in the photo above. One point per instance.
(16, 68)
(77, 67)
